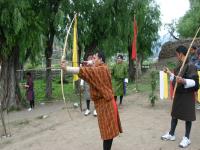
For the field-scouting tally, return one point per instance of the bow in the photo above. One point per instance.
(63, 59)
(182, 66)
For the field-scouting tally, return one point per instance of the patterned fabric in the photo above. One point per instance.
(99, 79)
(119, 73)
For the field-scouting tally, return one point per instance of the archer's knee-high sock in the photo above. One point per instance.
(107, 144)
(174, 122)
(115, 98)
(188, 126)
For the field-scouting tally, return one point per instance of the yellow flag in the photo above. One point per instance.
(165, 85)
(75, 50)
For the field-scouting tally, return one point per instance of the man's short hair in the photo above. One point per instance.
(194, 47)
(181, 49)
(28, 74)
(101, 55)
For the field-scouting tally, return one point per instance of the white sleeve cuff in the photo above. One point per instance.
(171, 77)
(126, 80)
(189, 83)
(73, 70)
(82, 82)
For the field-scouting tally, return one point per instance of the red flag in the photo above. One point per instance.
(134, 46)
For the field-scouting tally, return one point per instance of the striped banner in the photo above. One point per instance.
(75, 51)
(163, 85)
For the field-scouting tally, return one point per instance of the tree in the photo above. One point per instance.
(19, 34)
(190, 21)
(148, 30)
(47, 10)
(54, 16)
(108, 25)
(171, 27)
(147, 14)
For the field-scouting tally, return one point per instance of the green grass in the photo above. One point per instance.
(40, 86)
(144, 84)
(142, 87)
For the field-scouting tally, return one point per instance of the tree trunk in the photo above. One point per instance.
(1, 108)
(3, 121)
(53, 9)
(8, 82)
(139, 65)
(132, 69)
(18, 77)
(48, 55)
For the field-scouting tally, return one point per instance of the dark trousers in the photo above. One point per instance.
(121, 98)
(88, 104)
(188, 126)
(32, 104)
(107, 144)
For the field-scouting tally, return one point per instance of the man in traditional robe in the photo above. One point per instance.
(119, 78)
(183, 107)
(99, 78)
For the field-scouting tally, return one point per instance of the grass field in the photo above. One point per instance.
(40, 87)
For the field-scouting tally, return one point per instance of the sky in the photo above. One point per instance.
(170, 10)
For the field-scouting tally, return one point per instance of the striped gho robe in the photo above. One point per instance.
(99, 79)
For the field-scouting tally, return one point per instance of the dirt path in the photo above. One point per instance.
(142, 125)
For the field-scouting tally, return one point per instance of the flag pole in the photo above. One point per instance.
(134, 52)
(136, 75)
(80, 94)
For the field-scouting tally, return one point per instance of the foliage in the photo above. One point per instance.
(171, 65)
(108, 24)
(104, 24)
(152, 96)
(190, 22)
(19, 29)
(171, 28)
(148, 19)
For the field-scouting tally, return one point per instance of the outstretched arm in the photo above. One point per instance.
(72, 70)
